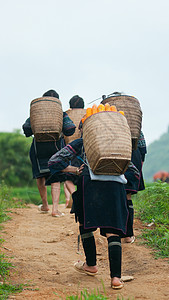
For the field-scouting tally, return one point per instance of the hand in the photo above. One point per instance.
(79, 170)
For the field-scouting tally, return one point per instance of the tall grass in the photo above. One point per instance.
(6, 203)
(152, 207)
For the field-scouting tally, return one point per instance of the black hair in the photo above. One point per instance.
(76, 102)
(51, 93)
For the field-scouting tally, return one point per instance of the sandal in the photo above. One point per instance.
(58, 216)
(42, 211)
(131, 241)
(117, 287)
(79, 266)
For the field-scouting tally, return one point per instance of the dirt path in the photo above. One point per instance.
(44, 249)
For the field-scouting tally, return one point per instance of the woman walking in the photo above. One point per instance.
(97, 204)
(40, 152)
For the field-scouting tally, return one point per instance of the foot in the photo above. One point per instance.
(116, 283)
(91, 269)
(129, 239)
(67, 203)
(82, 267)
(57, 214)
(43, 209)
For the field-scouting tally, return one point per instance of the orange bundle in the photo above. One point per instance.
(94, 109)
(100, 108)
(88, 112)
(107, 107)
(113, 108)
(83, 119)
(121, 112)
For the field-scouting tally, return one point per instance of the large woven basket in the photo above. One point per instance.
(46, 117)
(131, 107)
(107, 143)
(75, 115)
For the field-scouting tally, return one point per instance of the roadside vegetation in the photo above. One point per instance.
(6, 203)
(152, 208)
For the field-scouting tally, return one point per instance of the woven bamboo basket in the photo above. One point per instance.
(107, 143)
(75, 115)
(131, 107)
(46, 117)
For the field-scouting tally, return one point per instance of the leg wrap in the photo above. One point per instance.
(131, 210)
(115, 253)
(89, 246)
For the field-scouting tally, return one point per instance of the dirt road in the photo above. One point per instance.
(44, 249)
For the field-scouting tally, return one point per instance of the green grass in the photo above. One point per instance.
(152, 206)
(30, 194)
(6, 203)
(94, 295)
(7, 289)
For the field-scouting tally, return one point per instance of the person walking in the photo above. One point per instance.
(75, 103)
(97, 204)
(40, 152)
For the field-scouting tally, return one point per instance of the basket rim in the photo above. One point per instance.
(118, 96)
(45, 99)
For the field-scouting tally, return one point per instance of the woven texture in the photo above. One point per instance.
(107, 143)
(75, 115)
(131, 107)
(46, 117)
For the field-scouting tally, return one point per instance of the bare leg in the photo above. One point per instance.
(55, 192)
(70, 186)
(67, 195)
(71, 189)
(43, 193)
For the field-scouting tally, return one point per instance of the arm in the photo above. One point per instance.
(68, 125)
(142, 146)
(74, 170)
(27, 128)
(61, 159)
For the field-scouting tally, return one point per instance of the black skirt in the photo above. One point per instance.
(101, 204)
(40, 153)
(135, 183)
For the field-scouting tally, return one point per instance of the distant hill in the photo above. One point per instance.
(157, 157)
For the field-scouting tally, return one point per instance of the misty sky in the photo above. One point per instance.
(90, 48)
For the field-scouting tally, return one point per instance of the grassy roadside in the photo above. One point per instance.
(152, 208)
(6, 203)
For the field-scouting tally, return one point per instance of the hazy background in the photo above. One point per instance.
(90, 48)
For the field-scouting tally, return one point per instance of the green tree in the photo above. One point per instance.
(15, 166)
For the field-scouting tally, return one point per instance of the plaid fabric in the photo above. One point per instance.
(61, 159)
(68, 125)
(142, 146)
(141, 141)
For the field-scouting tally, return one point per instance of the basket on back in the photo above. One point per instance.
(75, 115)
(107, 143)
(46, 117)
(132, 110)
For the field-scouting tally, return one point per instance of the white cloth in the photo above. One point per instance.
(118, 178)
